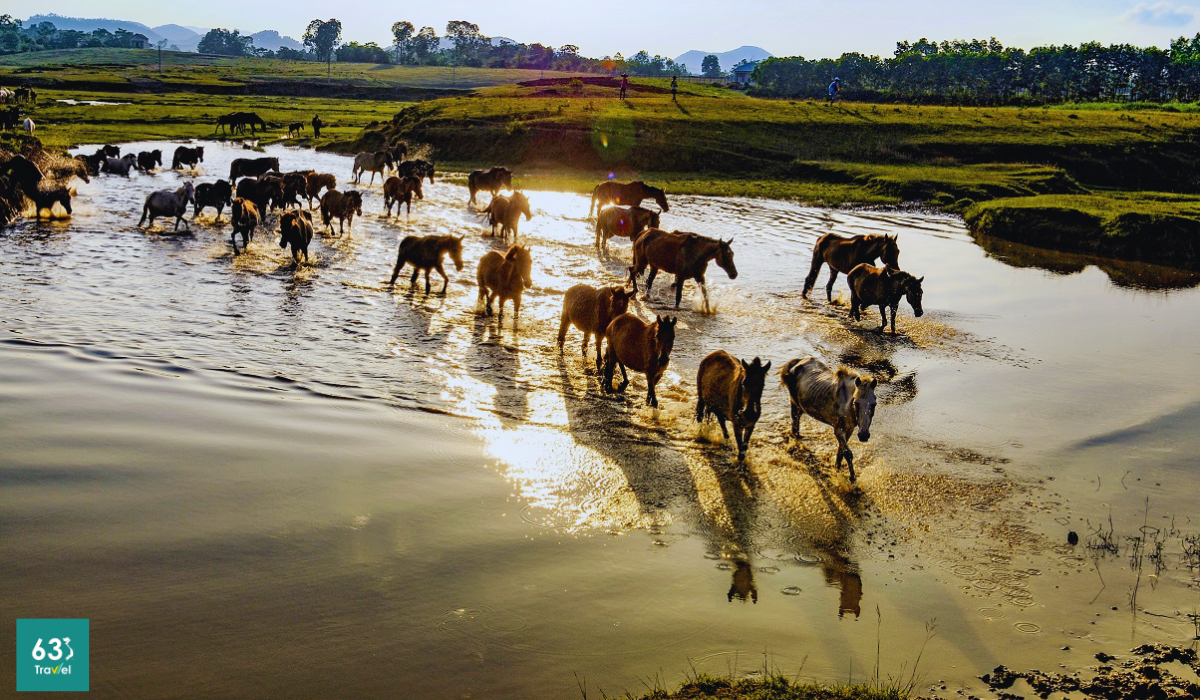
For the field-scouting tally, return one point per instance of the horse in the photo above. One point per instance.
(871, 285)
(46, 199)
(685, 255)
(91, 163)
(398, 152)
(295, 128)
(843, 254)
(591, 310)
(400, 191)
(244, 217)
(493, 181)
(731, 389)
(148, 160)
(264, 192)
(22, 171)
(314, 183)
(67, 168)
(627, 194)
(343, 205)
(111, 151)
(296, 230)
(294, 184)
(416, 168)
(502, 276)
(252, 167)
(168, 203)
(505, 212)
(30, 127)
(841, 399)
(628, 222)
(120, 166)
(642, 347)
(425, 253)
(9, 118)
(217, 195)
(377, 162)
(187, 156)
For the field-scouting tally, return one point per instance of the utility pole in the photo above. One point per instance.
(160, 48)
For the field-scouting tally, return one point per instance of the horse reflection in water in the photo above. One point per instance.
(839, 571)
(743, 587)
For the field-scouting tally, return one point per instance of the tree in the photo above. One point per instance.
(711, 66)
(402, 34)
(466, 39)
(322, 38)
(226, 43)
(362, 53)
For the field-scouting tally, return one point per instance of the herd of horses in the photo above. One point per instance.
(729, 389)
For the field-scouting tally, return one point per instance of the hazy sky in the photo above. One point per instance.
(810, 28)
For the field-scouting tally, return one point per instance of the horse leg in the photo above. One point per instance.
(795, 420)
(883, 314)
(747, 431)
(599, 345)
(624, 378)
(651, 397)
(233, 240)
(427, 281)
(811, 280)
(678, 289)
(895, 308)
(829, 287)
(650, 280)
(610, 360)
(445, 278)
(721, 421)
(700, 408)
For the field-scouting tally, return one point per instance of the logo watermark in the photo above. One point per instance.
(52, 655)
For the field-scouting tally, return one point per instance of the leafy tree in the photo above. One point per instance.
(323, 38)
(425, 45)
(467, 41)
(226, 43)
(362, 53)
(10, 34)
(402, 34)
(711, 66)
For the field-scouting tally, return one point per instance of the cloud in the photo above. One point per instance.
(1162, 14)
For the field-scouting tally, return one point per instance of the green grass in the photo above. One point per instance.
(181, 70)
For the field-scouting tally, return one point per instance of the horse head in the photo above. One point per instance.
(189, 193)
(522, 203)
(725, 258)
(752, 386)
(620, 300)
(664, 337)
(913, 292)
(456, 251)
(355, 199)
(506, 178)
(856, 401)
(660, 197)
(655, 219)
(891, 251)
(519, 254)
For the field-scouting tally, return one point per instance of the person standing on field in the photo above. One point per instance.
(624, 84)
(834, 88)
(674, 88)
(317, 124)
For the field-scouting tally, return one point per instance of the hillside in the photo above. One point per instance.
(694, 59)
(181, 37)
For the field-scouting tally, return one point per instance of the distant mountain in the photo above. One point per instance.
(270, 39)
(183, 37)
(80, 24)
(729, 59)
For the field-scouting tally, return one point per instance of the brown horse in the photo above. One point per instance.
(841, 399)
(506, 212)
(212, 194)
(45, 199)
(871, 285)
(425, 253)
(252, 167)
(591, 310)
(400, 190)
(295, 129)
(264, 192)
(148, 160)
(296, 230)
(187, 156)
(626, 194)
(842, 254)
(245, 219)
(502, 276)
(343, 205)
(731, 389)
(642, 347)
(313, 184)
(684, 255)
(627, 222)
(492, 181)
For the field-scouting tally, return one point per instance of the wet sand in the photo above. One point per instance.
(261, 480)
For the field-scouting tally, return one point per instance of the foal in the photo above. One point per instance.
(425, 253)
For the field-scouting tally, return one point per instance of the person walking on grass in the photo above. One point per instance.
(624, 84)
(834, 88)
(674, 88)
(317, 124)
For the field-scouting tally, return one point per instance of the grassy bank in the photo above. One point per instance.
(707, 687)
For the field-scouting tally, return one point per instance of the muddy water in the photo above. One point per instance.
(261, 480)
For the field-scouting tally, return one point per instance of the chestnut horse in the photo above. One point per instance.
(842, 254)
(425, 253)
(343, 205)
(591, 310)
(871, 285)
(506, 212)
(504, 277)
(841, 399)
(642, 347)
(492, 181)
(684, 255)
(626, 194)
(400, 190)
(245, 218)
(731, 389)
(628, 222)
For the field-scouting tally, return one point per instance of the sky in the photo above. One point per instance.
(809, 28)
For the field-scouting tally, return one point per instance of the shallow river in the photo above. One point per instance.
(257, 480)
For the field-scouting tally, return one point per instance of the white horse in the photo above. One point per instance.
(842, 399)
(5, 95)
(29, 126)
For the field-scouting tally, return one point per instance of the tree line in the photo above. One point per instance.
(985, 72)
(44, 36)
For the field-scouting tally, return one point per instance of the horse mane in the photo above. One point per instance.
(513, 252)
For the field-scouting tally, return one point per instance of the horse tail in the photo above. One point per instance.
(788, 376)
(817, 261)
(401, 261)
(563, 322)
(145, 212)
(595, 191)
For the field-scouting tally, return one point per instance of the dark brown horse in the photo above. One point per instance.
(731, 390)
(871, 285)
(842, 254)
(314, 183)
(45, 199)
(295, 128)
(149, 160)
(343, 205)
(626, 194)
(296, 230)
(642, 347)
(400, 190)
(217, 195)
(684, 255)
(504, 277)
(506, 212)
(264, 192)
(187, 156)
(591, 310)
(252, 167)
(627, 222)
(426, 253)
(22, 171)
(492, 181)
(245, 219)
(415, 168)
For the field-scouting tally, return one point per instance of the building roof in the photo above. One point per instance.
(746, 67)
